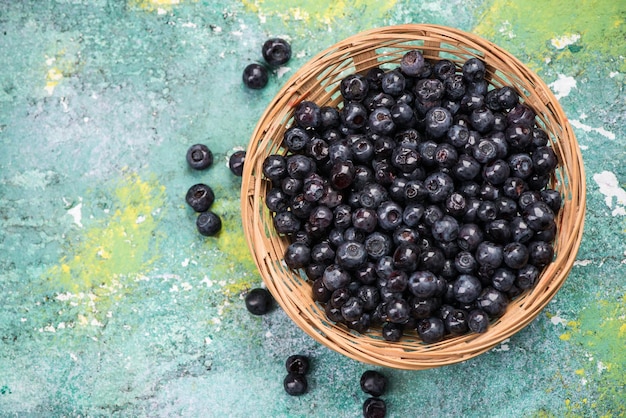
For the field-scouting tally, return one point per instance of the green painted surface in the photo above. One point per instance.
(112, 304)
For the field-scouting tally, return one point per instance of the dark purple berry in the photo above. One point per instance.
(431, 330)
(208, 223)
(236, 161)
(199, 157)
(295, 384)
(373, 383)
(374, 408)
(200, 197)
(255, 76)
(276, 51)
(258, 301)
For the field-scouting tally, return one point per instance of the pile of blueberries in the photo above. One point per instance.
(421, 203)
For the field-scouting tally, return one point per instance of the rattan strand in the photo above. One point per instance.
(318, 81)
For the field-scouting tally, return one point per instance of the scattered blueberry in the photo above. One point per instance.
(199, 157)
(295, 384)
(258, 301)
(374, 408)
(373, 383)
(276, 51)
(235, 162)
(208, 223)
(297, 363)
(255, 76)
(200, 197)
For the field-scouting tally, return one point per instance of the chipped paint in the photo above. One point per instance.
(563, 86)
(614, 195)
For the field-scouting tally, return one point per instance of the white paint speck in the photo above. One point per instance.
(189, 25)
(73, 357)
(615, 196)
(269, 334)
(49, 328)
(76, 213)
(237, 33)
(583, 147)
(563, 85)
(583, 263)
(601, 367)
(208, 340)
(174, 288)
(140, 219)
(282, 71)
(185, 262)
(557, 320)
(208, 282)
(564, 41)
(186, 286)
(613, 74)
(582, 126)
(301, 54)
(161, 11)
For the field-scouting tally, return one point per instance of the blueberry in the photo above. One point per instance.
(521, 165)
(473, 70)
(540, 253)
(208, 223)
(457, 322)
(552, 198)
(389, 215)
(405, 159)
(235, 162)
(392, 332)
(393, 83)
(465, 263)
(342, 174)
(521, 114)
(455, 87)
(255, 76)
(431, 330)
(297, 255)
(444, 69)
(319, 291)
(354, 87)
(274, 167)
(406, 257)
(351, 255)
(373, 383)
(258, 301)
(412, 214)
(507, 97)
(199, 157)
(437, 121)
(286, 222)
(200, 197)
(352, 309)
(469, 237)
(544, 160)
(466, 288)
(498, 231)
(482, 119)
(528, 198)
(369, 296)
(429, 90)
(466, 168)
(365, 219)
(520, 230)
(539, 216)
(487, 211)
(446, 155)
(496, 172)
(478, 321)
(445, 229)
(492, 301)
(526, 277)
(423, 284)
(297, 363)
(295, 384)
(308, 115)
(439, 185)
(470, 102)
(374, 408)
(378, 99)
(296, 139)
(456, 204)
(291, 186)
(372, 195)
(412, 63)
(397, 310)
(457, 135)
(299, 166)
(335, 277)
(503, 279)
(354, 115)
(362, 150)
(276, 200)
(485, 151)
(518, 135)
(489, 254)
(276, 51)
(339, 297)
(513, 187)
(402, 114)
(381, 122)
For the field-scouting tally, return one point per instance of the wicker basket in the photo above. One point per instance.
(318, 81)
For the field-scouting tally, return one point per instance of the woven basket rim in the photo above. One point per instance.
(354, 54)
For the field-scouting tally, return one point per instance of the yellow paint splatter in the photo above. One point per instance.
(159, 6)
(324, 12)
(566, 336)
(111, 255)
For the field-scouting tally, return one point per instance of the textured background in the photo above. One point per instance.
(111, 304)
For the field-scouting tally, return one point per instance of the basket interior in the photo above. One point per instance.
(318, 81)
